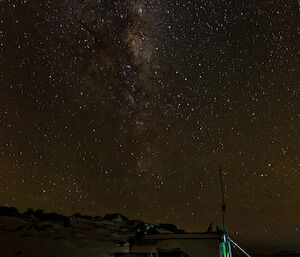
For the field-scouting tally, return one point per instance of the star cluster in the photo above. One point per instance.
(131, 106)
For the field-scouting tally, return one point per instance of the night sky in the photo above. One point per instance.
(131, 107)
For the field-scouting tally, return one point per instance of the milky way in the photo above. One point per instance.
(131, 106)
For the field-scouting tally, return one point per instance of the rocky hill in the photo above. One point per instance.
(35, 234)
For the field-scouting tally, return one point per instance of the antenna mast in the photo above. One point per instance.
(226, 248)
(223, 198)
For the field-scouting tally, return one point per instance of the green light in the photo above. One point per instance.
(224, 250)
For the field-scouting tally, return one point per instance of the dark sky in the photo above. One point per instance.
(131, 106)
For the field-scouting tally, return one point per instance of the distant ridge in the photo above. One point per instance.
(135, 227)
(35, 233)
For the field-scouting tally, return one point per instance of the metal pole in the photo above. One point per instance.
(223, 198)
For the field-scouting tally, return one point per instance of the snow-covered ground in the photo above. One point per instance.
(31, 238)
